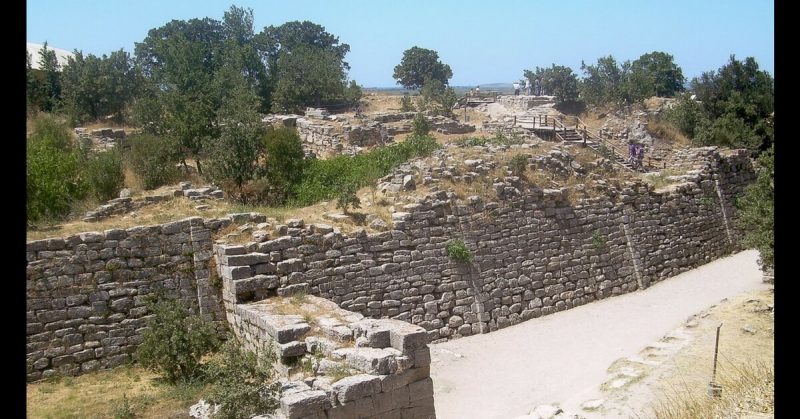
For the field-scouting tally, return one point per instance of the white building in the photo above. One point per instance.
(62, 55)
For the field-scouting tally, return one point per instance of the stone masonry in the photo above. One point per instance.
(535, 251)
(86, 292)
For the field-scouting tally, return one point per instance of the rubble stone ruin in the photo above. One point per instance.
(352, 315)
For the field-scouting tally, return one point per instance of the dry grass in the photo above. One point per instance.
(374, 102)
(659, 180)
(745, 364)
(98, 394)
(746, 388)
(667, 132)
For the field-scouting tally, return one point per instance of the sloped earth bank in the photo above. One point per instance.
(595, 352)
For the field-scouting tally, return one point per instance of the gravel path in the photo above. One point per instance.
(562, 358)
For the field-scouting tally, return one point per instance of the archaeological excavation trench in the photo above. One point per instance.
(361, 309)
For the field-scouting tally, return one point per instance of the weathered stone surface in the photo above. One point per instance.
(304, 403)
(356, 387)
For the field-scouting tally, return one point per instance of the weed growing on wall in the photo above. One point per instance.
(458, 251)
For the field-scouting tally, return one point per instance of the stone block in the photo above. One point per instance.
(356, 387)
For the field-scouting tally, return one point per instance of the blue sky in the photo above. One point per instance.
(482, 41)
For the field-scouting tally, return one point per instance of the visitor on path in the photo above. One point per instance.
(631, 151)
(516, 89)
(477, 90)
(538, 87)
(527, 87)
(640, 156)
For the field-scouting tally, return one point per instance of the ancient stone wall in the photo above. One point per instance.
(524, 102)
(535, 252)
(86, 292)
(348, 367)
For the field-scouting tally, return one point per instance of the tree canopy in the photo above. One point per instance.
(559, 81)
(418, 65)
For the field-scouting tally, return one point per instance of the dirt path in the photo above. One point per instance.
(564, 357)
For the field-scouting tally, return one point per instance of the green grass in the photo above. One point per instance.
(323, 179)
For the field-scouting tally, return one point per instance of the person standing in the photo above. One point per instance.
(516, 89)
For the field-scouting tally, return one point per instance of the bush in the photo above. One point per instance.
(104, 174)
(324, 179)
(347, 197)
(518, 164)
(53, 180)
(406, 105)
(175, 340)
(243, 382)
(458, 251)
(153, 160)
(421, 125)
(285, 163)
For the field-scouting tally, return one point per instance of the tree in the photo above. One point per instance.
(276, 43)
(233, 157)
(94, 87)
(308, 75)
(657, 75)
(285, 162)
(559, 81)
(738, 102)
(53, 172)
(50, 87)
(603, 82)
(418, 65)
(175, 339)
(757, 210)
(437, 98)
(180, 60)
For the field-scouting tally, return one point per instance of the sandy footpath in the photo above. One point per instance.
(563, 358)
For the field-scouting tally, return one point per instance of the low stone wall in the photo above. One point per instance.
(326, 138)
(86, 293)
(127, 204)
(386, 362)
(524, 102)
(535, 252)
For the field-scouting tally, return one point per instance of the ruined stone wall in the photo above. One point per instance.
(86, 292)
(535, 252)
(326, 138)
(386, 362)
(524, 102)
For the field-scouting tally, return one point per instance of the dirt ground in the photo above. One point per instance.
(576, 356)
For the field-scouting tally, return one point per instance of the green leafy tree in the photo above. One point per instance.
(234, 156)
(604, 82)
(285, 164)
(244, 382)
(418, 65)
(421, 126)
(153, 159)
(175, 340)
(437, 98)
(94, 87)
(738, 101)
(559, 81)
(347, 197)
(276, 43)
(104, 174)
(686, 115)
(757, 210)
(50, 87)
(308, 75)
(53, 171)
(406, 104)
(180, 61)
(656, 74)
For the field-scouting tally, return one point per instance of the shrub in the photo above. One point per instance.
(104, 174)
(243, 382)
(598, 240)
(421, 125)
(285, 164)
(153, 159)
(122, 410)
(458, 251)
(347, 197)
(324, 179)
(53, 180)
(406, 105)
(175, 340)
(518, 164)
